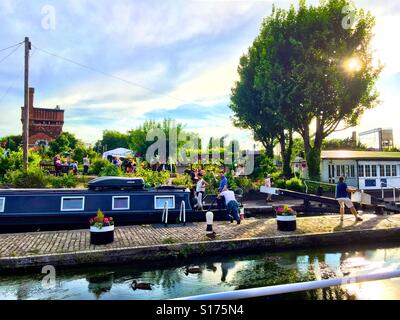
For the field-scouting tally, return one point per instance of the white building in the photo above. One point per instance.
(363, 169)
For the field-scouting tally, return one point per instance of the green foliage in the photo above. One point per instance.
(32, 178)
(268, 273)
(112, 140)
(64, 144)
(13, 142)
(14, 161)
(263, 166)
(343, 144)
(295, 184)
(183, 180)
(81, 151)
(294, 76)
(151, 177)
(97, 165)
(64, 181)
(110, 170)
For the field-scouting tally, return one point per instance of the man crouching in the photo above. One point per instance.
(231, 204)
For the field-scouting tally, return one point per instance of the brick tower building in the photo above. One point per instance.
(44, 124)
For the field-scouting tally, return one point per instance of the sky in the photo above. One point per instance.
(153, 59)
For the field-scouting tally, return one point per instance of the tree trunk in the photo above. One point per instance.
(286, 152)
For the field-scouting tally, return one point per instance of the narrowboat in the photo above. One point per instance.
(125, 199)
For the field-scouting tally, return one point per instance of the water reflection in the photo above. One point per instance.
(219, 274)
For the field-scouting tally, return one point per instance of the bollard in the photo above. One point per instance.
(241, 213)
(210, 219)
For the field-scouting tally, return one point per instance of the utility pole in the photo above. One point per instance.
(26, 104)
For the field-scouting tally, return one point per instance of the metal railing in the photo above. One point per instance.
(388, 186)
(317, 182)
(293, 287)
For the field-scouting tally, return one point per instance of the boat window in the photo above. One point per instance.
(159, 202)
(120, 203)
(72, 203)
(2, 204)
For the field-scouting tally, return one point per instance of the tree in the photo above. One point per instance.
(12, 142)
(318, 73)
(137, 139)
(111, 140)
(343, 144)
(65, 143)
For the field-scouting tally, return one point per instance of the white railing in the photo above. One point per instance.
(182, 213)
(317, 182)
(388, 187)
(164, 218)
(293, 287)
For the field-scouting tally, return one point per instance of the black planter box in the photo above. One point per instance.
(286, 223)
(104, 236)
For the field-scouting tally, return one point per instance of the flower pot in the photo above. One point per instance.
(286, 223)
(104, 235)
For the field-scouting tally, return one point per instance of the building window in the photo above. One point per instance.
(2, 204)
(394, 170)
(72, 203)
(382, 170)
(361, 171)
(373, 170)
(388, 174)
(120, 203)
(367, 170)
(352, 171)
(338, 170)
(160, 201)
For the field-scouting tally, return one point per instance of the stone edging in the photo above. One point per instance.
(192, 249)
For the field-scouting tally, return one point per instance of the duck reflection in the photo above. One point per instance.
(225, 267)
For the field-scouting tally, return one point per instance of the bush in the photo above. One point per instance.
(111, 170)
(97, 165)
(14, 161)
(295, 184)
(244, 183)
(32, 178)
(65, 181)
(152, 177)
(183, 180)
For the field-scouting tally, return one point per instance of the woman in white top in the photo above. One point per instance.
(200, 190)
(268, 184)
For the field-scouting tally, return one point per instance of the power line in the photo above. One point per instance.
(10, 53)
(109, 75)
(11, 46)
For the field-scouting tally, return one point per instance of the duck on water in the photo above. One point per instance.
(125, 199)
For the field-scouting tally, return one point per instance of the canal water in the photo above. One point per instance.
(217, 274)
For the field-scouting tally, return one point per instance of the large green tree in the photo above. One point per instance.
(111, 140)
(316, 70)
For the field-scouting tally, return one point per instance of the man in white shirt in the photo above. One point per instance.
(231, 204)
(86, 163)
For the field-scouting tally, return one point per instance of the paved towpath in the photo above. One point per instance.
(54, 242)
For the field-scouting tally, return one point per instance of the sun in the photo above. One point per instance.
(352, 65)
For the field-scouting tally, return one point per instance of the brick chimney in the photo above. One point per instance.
(31, 97)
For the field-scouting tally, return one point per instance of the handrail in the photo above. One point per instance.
(293, 287)
(319, 182)
(165, 213)
(388, 186)
(183, 213)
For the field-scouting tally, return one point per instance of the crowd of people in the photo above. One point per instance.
(72, 165)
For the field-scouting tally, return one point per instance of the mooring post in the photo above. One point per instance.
(209, 219)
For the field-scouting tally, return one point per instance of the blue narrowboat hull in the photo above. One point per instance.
(52, 209)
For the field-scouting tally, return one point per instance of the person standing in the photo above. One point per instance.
(232, 206)
(200, 190)
(86, 164)
(223, 182)
(268, 184)
(342, 196)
